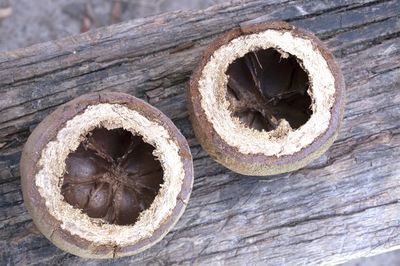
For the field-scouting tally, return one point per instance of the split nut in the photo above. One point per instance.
(266, 99)
(106, 175)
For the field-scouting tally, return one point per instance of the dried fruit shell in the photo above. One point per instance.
(83, 179)
(266, 99)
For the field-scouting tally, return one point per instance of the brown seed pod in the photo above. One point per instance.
(106, 175)
(266, 99)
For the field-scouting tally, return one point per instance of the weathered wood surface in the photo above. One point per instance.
(344, 205)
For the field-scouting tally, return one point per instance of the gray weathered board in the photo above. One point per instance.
(344, 205)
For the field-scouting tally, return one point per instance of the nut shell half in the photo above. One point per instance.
(58, 135)
(257, 152)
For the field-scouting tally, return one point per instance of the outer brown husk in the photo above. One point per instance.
(47, 130)
(260, 164)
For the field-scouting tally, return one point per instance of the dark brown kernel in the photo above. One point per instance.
(264, 87)
(112, 175)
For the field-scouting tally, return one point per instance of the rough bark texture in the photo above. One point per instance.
(344, 205)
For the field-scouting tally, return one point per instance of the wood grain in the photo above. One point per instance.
(344, 205)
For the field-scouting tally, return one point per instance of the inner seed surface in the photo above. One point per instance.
(112, 175)
(265, 87)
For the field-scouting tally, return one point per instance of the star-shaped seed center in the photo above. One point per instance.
(264, 88)
(113, 175)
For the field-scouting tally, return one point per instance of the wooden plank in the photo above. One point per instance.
(344, 205)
